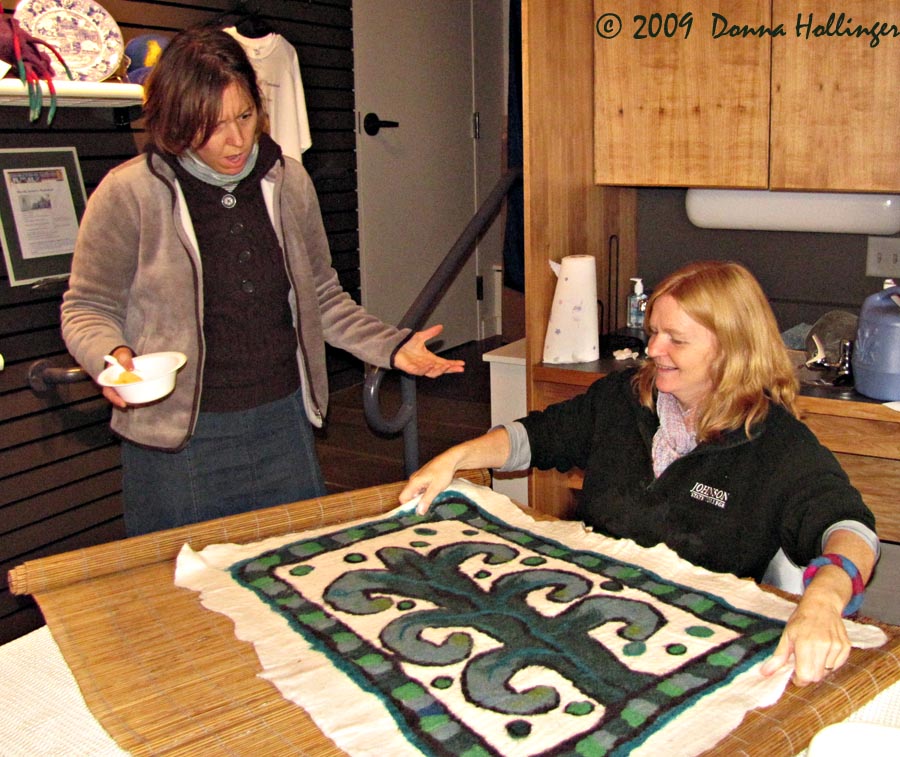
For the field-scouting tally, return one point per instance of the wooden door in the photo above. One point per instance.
(835, 103)
(676, 105)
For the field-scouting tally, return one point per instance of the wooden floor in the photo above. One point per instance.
(451, 409)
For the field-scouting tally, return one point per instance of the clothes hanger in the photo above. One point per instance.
(248, 23)
(252, 25)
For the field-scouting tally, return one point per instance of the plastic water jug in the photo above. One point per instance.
(876, 354)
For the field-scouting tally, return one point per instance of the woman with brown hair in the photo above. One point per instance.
(700, 449)
(211, 243)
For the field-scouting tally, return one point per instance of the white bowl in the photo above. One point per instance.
(158, 371)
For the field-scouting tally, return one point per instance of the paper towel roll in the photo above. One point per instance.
(573, 333)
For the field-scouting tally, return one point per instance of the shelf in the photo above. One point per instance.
(78, 94)
(579, 374)
(811, 399)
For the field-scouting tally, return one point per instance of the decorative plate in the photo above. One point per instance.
(86, 35)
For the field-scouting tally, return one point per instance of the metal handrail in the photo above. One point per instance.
(42, 374)
(405, 419)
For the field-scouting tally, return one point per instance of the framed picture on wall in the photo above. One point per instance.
(42, 199)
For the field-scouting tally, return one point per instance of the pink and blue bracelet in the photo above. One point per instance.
(847, 565)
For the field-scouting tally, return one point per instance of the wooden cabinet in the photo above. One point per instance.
(676, 107)
(865, 438)
(835, 103)
(751, 95)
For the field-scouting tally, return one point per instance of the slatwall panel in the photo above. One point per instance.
(60, 480)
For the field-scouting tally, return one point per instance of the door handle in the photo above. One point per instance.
(372, 124)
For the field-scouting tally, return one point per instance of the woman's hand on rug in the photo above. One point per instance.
(815, 635)
(487, 451)
(430, 480)
(814, 638)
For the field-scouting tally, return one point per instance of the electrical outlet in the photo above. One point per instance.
(883, 257)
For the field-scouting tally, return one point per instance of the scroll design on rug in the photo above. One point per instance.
(482, 638)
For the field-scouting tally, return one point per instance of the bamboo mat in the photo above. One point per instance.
(164, 676)
(56, 571)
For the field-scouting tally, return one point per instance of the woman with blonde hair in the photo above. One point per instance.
(751, 366)
(700, 449)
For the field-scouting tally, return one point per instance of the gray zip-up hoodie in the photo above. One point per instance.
(136, 280)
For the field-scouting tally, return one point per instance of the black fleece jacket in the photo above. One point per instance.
(727, 505)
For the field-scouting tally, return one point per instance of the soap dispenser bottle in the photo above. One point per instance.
(637, 305)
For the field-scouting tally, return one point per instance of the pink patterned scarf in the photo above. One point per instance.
(673, 438)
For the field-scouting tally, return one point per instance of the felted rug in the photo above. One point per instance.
(476, 630)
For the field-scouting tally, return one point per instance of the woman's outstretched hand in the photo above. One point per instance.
(417, 360)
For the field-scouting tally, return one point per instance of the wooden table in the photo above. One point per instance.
(164, 676)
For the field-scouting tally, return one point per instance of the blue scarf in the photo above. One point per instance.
(200, 170)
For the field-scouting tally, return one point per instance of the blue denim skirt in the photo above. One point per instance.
(235, 462)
